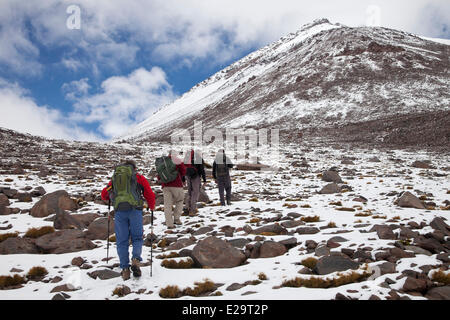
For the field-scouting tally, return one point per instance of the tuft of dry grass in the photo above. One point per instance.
(120, 291)
(200, 288)
(309, 262)
(336, 203)
(361, 214)
(170, 292)
(331, 224)
(441, 277)
(162, 243)
(319, 282)
(39, 232)
(254, 220)
(262, 276)
(305, 206)
(36, 273)
(267, 233)
(173, 264)
(254, 199)
(310, 219)
(290, 205)
(379, 217)
(5, 236)
(9, 281)
(168, 256)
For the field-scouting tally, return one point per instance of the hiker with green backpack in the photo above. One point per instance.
(171, 173)
(126, 191)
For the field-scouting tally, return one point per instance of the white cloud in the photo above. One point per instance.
(76, 89)
(20, 112)
(113, 32)
(123, 101)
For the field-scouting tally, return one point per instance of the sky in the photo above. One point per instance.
(91, 70)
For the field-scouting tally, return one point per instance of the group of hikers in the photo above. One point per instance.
(128, 189)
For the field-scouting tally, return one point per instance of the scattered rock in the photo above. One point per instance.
(438, 293)
(202, 230)
(64, 241)
(77, 261)
(61, 296)
(333, 263)
(307, 230)
(18, 245)
(331, 176)
(271, 249)
(322, 251)
(235, 286)
(64, 220)
(412, 284)
(213, 252)
(330, 188)
(271, 228)
(383, 232)
(181, 243)
(104, 274)
(52, 202)
(98, 229)
(65, 287)
(238, 243)
(421, 164)
(439, 224)
(408, 200)
(418, 250)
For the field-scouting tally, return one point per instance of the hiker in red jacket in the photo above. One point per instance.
(174, 194)
(128, 223)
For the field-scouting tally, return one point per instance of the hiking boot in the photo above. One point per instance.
(192, 214)
(125, 274)
(135, 267)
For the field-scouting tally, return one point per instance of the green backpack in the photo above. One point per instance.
(166, 169)
(126, 191)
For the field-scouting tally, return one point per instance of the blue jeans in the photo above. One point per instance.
(128, 224)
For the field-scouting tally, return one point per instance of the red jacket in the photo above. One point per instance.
(148, 194)
(178, 182)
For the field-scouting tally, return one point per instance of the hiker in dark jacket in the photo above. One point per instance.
(221, 173)
(128, 224)
(195, 170)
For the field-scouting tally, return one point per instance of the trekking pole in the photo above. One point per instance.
(107, 245)
(151, 244)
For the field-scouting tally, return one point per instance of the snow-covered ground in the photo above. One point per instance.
(273, 190)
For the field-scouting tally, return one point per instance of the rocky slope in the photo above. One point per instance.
(324, 75)
(337, 222)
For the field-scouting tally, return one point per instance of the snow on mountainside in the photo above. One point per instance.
(323, 75)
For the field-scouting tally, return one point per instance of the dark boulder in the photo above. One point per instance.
(333, 263)
(213, 252)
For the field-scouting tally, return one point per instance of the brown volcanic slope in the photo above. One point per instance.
(363, 84)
